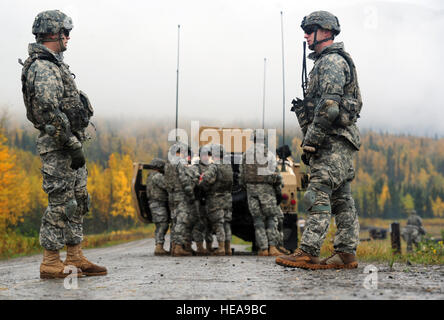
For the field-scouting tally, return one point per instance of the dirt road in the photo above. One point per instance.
(135, 273)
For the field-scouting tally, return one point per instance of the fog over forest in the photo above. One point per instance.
(124, 55)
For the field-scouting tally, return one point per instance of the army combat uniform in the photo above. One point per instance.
(413, 231)
(327, 117)
(217, 181)
(180, 189)
(158, 203)
(61, 113)
(261, 197)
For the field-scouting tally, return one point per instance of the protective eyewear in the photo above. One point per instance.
(65, 32)
(310, 29)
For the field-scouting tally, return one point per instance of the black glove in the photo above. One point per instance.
(305, 157)
(77, 158)
(278, 196)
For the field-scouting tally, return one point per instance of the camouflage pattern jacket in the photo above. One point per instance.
(156, 187)
(217, 179)
(178, 183)
(416, 221)
(54, 104)
(331, 82)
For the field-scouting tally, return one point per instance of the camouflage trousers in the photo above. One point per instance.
(215, 215)
(184, 216)
(198, 230)
(159, 211)
(329, 193)
(228, 215)
(263, 209)
(279, 219)
(68, 201)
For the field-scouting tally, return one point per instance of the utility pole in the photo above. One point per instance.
(177, 78)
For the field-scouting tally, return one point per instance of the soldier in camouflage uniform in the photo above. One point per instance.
(327, 117)
(197, 213)
(216, 181)
(61, 113)
(180, 189)
(158, 203)
(259, 181)
(414, 231)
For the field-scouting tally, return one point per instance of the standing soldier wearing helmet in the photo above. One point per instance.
(158, 203)
(181, 197)
(217, 181)
(327, 117)
(61, 113)
(259, 179)
(413, 231)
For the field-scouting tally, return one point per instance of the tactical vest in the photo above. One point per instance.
(350, 103)
(75, 104)
(250, 171)
(172, 181)
(154, 192)
(224, 179)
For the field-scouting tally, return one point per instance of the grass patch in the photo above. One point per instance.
(429, 252)
(13, 245)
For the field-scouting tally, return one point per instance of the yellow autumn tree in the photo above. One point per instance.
(99, 187)
(383, 197)
(14, 189)
(121, 167)
(437, 207)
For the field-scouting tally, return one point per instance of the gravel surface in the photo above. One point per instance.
(135, 273)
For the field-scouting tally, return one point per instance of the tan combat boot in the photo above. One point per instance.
(228, 248)
(262, 253)
(300, 259)
(200, 249)
(178, 251)
(220, 249)
(74, 256)
(52, 267)
(160, 251)
(283, 250)
(209, 246)
(340, 260)
(273, 251)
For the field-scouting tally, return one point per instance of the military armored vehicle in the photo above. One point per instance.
(235, 142)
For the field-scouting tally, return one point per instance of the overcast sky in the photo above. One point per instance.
(124, 56)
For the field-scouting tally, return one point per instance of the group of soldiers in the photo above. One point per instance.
(193, 198)
(196, 197)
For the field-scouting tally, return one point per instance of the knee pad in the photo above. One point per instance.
(70, 209)
(83, 201)
(314, 195)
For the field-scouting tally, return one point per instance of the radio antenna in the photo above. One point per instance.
(177, 79)
(283, 81)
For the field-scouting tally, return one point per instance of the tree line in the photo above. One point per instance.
(394, 173)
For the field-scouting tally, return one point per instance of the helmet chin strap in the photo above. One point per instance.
(59, 39)
(316, 42)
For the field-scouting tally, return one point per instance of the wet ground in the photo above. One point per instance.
(135, 273)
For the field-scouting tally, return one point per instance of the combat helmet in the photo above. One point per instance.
(51, 22)
(157, 164)
(320, 19)
(179, 147)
